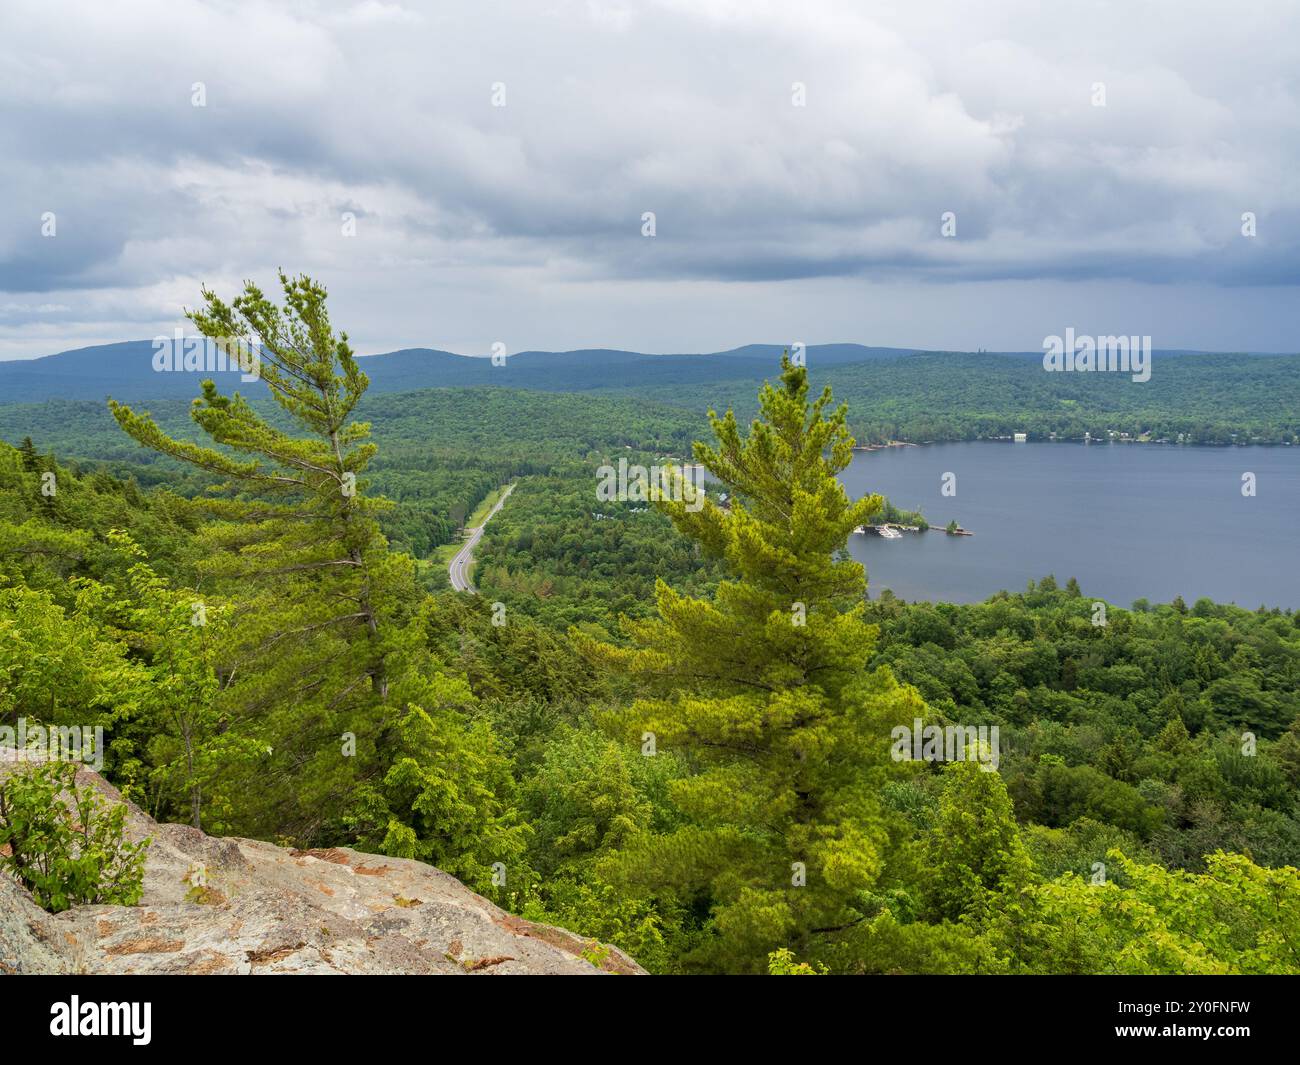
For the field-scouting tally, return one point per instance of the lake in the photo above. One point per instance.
(1128, 520)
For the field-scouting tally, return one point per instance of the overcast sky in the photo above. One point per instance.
(774, 222)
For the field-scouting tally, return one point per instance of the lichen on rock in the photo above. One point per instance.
(243, 906)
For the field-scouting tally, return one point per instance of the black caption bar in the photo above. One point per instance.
(141, 1014)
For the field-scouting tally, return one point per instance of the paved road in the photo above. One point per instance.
(459, 569)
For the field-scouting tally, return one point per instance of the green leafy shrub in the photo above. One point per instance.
(781, 963)
(64, 843)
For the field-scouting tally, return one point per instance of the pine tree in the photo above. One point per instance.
(317, 666)
(765, 690)
(30, 459)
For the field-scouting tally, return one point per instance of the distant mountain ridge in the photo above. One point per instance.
(125, 370)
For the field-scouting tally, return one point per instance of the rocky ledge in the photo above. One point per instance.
(263, 909)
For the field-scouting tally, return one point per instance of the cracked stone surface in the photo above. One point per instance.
(266, 909)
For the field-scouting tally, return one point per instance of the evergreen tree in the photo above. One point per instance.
(764, 689)
(296, 541)
(30, 459)
(362, 735)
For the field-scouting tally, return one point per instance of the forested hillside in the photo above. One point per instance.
(670, 728)
(444, 450)
(892, 394)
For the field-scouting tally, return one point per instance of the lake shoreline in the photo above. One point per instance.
(1214, 521)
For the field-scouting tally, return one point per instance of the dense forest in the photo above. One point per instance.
(444, 450)
(674, 729)
(918, 397)
(946, 397)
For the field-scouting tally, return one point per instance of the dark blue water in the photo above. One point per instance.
(1129, 521)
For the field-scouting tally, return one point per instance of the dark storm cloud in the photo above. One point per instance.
(687, 110)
